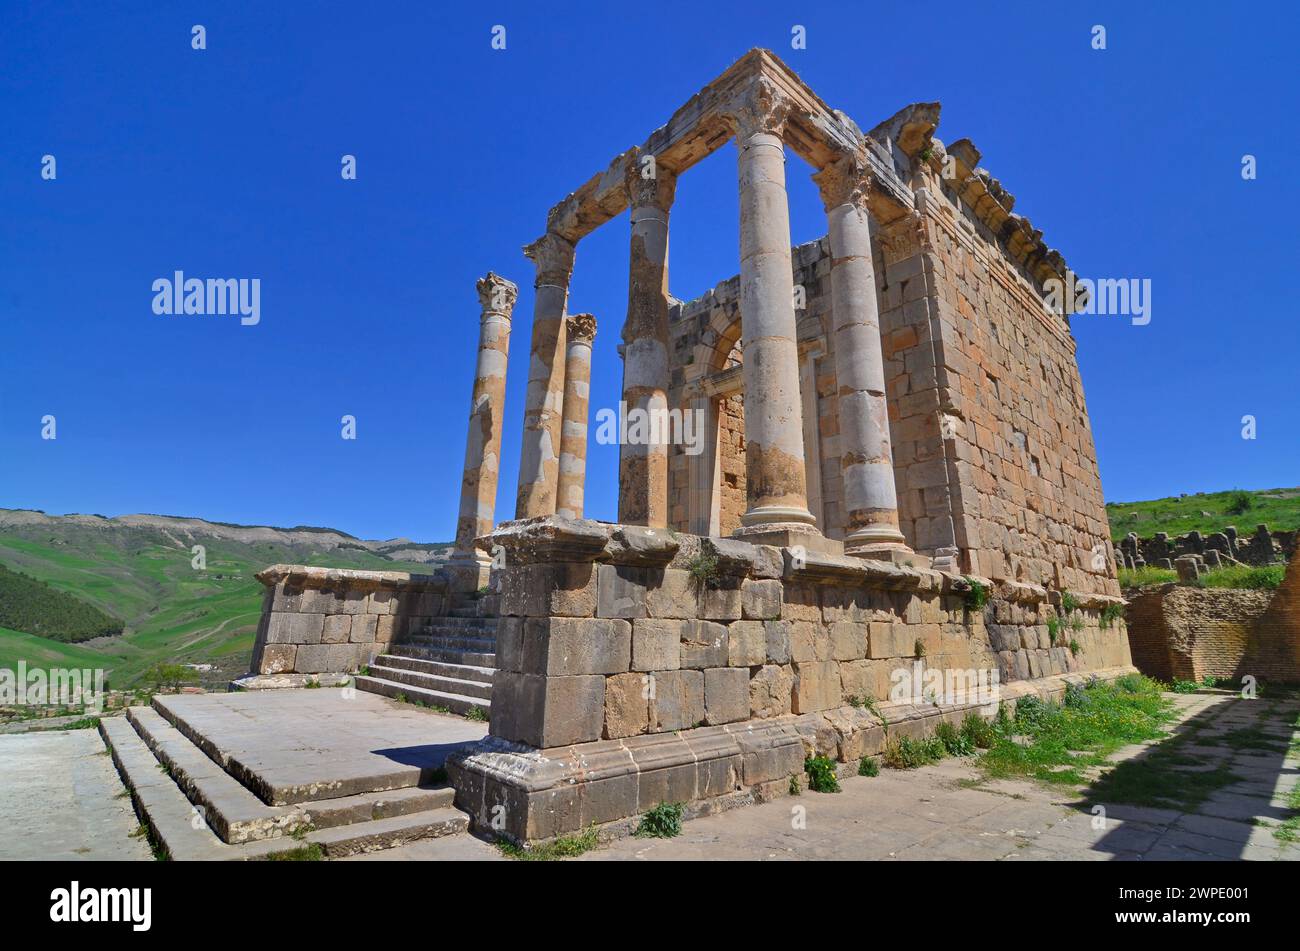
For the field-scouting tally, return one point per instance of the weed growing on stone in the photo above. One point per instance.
(795, 788)
(978, 732)
(903, 752)
(1069, 603)
(664, 821)
(565, 847)
(1110, 614)
(703, 569)
(476, 713)
(919, 649)
(1075, 647)
(821, 774)
(1055, 743)
(868, 766)
(954, 742)
(1053, 628)
(977, 596)
(311, 852)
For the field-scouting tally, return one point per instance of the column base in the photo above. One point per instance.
(789, 534)
(894, 554)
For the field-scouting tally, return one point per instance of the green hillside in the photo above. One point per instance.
(33, 606)
(143, 576)
(1206, 512)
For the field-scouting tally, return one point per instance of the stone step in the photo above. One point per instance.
(388, 833)
(456, 703)
(437, 668)
(463, 658)
(173, 822)
(479, 645)
(416, 678)
(464, 611)
(487, 624)
(368, 807)
(232, 811)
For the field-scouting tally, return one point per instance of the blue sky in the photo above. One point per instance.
(225, 163)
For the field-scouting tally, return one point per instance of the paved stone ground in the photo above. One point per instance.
(945, 812)
(61, 799)
(322, 735)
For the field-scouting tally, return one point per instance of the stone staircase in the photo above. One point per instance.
(196, 808)
(449, 664)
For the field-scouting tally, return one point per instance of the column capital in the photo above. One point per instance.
(553, 257)
(845, 181)
(759, 107)
(496, 295)
(580, 327)
(649, 184)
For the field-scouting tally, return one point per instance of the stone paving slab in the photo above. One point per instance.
(301, 745)
(61, 799)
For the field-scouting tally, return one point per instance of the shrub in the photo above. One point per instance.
(954, 742)
(1075, 647)
(1053, 628)
(978, 731)
(1240, 502)
(703, 569)
(1110, 614)
(868, 766)
(1186, 686)
(821, 774)
(662, 822)
(903, 752)
(977, 596)
(1069, 603)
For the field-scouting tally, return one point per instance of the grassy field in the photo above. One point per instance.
(1207, 512)
(172, 612)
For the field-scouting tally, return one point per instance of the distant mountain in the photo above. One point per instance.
(140, 570)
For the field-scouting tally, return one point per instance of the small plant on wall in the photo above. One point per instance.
(977, 596)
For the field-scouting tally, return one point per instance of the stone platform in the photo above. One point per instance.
(328, 772)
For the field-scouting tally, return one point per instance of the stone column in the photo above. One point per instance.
(775, 481)
(478, 490)
(539, 458)
(870, 500)
(643, 460)
(580, 330)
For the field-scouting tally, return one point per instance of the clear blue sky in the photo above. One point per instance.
(225, 163)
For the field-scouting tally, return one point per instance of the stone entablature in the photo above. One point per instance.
(336, 620)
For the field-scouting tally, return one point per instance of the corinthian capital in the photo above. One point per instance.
(759, 107)
(497, 295)
(847, 180)
(553, 258)
(649, 184)
(580, 327)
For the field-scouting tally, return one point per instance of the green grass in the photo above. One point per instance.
(565, 847)
(1263, 577)
(1279, 509)
(1146, 577)
(1058, 742)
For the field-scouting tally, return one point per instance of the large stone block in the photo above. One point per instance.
(848, 640)
(761, 600)
(770, 688)
(278, 659)
(627, 705)
(671, 593)
(621, 591)
(816, 687)
(337, 628)
(569, 646)
(330, 658)
(721, 602)
(726, 695)
(656, 644)
(891, 639)
(547, 711)
(294, 628)
(809, 641)
(677, 700)
(746, 644)
(777, 634)
(704, 644)
(364, 628)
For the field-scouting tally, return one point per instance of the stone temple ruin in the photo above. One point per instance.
(898, 499)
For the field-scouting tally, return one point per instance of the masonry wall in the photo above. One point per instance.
(324, 620)
(590, 651)
(1189, 633)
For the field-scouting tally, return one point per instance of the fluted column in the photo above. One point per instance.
(775, 481)
(539, 457)
(478, 488)
(642, 463)
(580, 331)
(866, 459)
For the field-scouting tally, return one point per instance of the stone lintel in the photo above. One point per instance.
(311, 576)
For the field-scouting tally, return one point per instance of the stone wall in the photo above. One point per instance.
(1190, 633)
(331, 620)
(619, 652)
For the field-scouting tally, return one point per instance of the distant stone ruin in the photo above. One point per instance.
(1215, 549)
